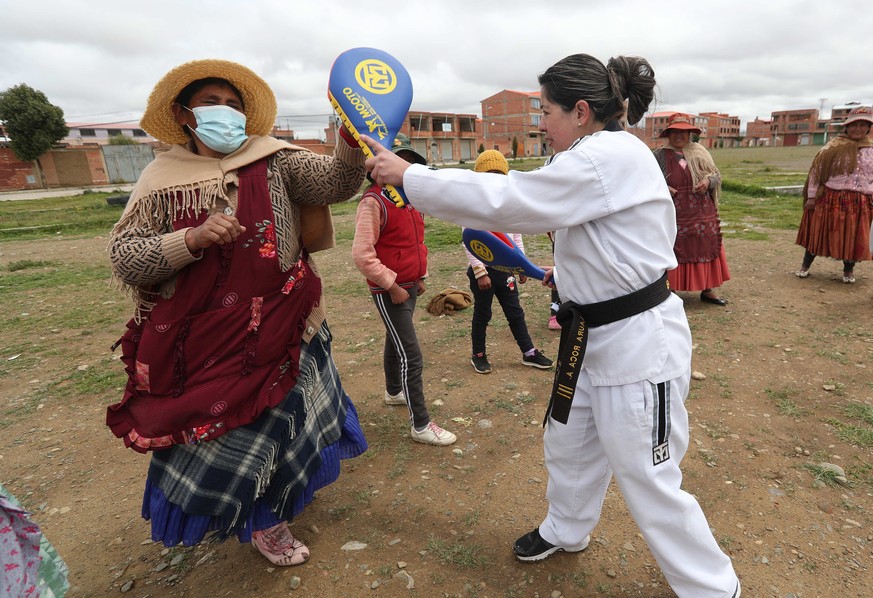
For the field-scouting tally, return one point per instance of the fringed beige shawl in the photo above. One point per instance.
(839, 156)
(701, 165)
(180, 181)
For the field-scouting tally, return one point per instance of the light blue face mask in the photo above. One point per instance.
(220, 128)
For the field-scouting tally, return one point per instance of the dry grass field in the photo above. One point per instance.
(786, 395)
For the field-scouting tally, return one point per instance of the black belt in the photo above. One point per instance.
(575, 320)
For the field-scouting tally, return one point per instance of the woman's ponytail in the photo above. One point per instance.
(633, 79)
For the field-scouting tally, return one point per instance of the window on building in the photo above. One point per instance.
(535, 103)
(535, 120)
(113, 132)
(87, 133)
(466, 125)
(139, 133)
(441, 124)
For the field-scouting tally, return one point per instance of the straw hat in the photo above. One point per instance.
(680, 122)
(258, 99)
(859, 113)
(491, 160)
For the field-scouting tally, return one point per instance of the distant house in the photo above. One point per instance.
(757, 132)
(513, 115)
(442, 136)
(722, 130)
(100, 133)
(791, 128)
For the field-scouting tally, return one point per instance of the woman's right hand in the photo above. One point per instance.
(810, 203)
(385, 167)
(217, 230)
(484, 283)
(547, 279)
(672, 191)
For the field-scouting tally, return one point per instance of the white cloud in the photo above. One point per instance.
(99, 59)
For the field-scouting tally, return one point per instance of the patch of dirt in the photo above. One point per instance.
(783, 362)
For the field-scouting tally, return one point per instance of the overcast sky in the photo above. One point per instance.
(99, 59)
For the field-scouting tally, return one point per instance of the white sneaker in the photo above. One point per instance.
(398, 399)
(433, 434)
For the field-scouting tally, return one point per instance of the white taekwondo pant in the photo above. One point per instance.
(639, 432)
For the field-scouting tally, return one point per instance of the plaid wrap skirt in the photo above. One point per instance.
(257, 475)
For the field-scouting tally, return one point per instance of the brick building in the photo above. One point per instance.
(722, 130)
(757, 133)
(513, 115)
(438, 136)
(442, 136)
(61, 167)
(794, 127)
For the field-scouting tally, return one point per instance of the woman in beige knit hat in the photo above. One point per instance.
(838, 198)
(486, 283)
(230, 376)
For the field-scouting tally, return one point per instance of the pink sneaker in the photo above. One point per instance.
(553, 323)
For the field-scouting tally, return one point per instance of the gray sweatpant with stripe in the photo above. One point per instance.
(402, 358)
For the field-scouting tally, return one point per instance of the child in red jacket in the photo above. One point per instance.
(389, 251)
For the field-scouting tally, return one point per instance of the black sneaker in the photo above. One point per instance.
(537, 360)
(480, 363)
(531, 547)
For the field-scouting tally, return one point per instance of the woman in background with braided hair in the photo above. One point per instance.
(623, 412)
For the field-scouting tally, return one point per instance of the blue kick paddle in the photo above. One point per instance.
(371, 92)
(498, 251)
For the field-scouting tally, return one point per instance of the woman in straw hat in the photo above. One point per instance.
(694, 183)
(839, 198)
(231, 381)
(622, 412)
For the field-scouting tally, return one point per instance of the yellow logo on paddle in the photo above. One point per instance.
(375, 76)
(481, 250)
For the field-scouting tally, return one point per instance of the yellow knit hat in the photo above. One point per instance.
(491, 160)
(257, 97)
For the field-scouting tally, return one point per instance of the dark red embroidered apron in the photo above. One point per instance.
(226, 346)
(698, 231)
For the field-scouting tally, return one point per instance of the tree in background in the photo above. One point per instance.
(32, 123)
(122, 140)
(481, 147)
(514, 148)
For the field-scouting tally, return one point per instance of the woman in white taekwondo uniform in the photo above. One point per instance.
(623, 414)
